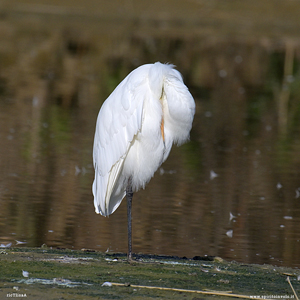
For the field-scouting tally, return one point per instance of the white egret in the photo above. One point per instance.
(137, 124)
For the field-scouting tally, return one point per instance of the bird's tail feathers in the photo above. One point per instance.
(106, 203)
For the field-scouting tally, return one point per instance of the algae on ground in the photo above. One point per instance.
(67, 274)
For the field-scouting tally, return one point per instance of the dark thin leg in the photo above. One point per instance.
(129, 195)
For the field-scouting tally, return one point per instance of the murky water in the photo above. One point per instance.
(232, 191)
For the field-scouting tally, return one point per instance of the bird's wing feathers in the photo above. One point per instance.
(119, 120)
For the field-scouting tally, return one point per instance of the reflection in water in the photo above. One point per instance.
(233, 191)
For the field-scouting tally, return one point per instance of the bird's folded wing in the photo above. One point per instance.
(119, 120)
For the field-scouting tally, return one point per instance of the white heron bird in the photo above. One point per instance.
(150, 110)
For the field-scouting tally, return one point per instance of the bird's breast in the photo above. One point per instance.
(146, 152)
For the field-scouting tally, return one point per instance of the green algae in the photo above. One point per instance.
(67, 274)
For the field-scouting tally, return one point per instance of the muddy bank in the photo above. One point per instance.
(67, 274)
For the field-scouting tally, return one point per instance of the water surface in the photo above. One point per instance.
(232, 191)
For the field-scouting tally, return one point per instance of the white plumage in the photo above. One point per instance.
(137, 124)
